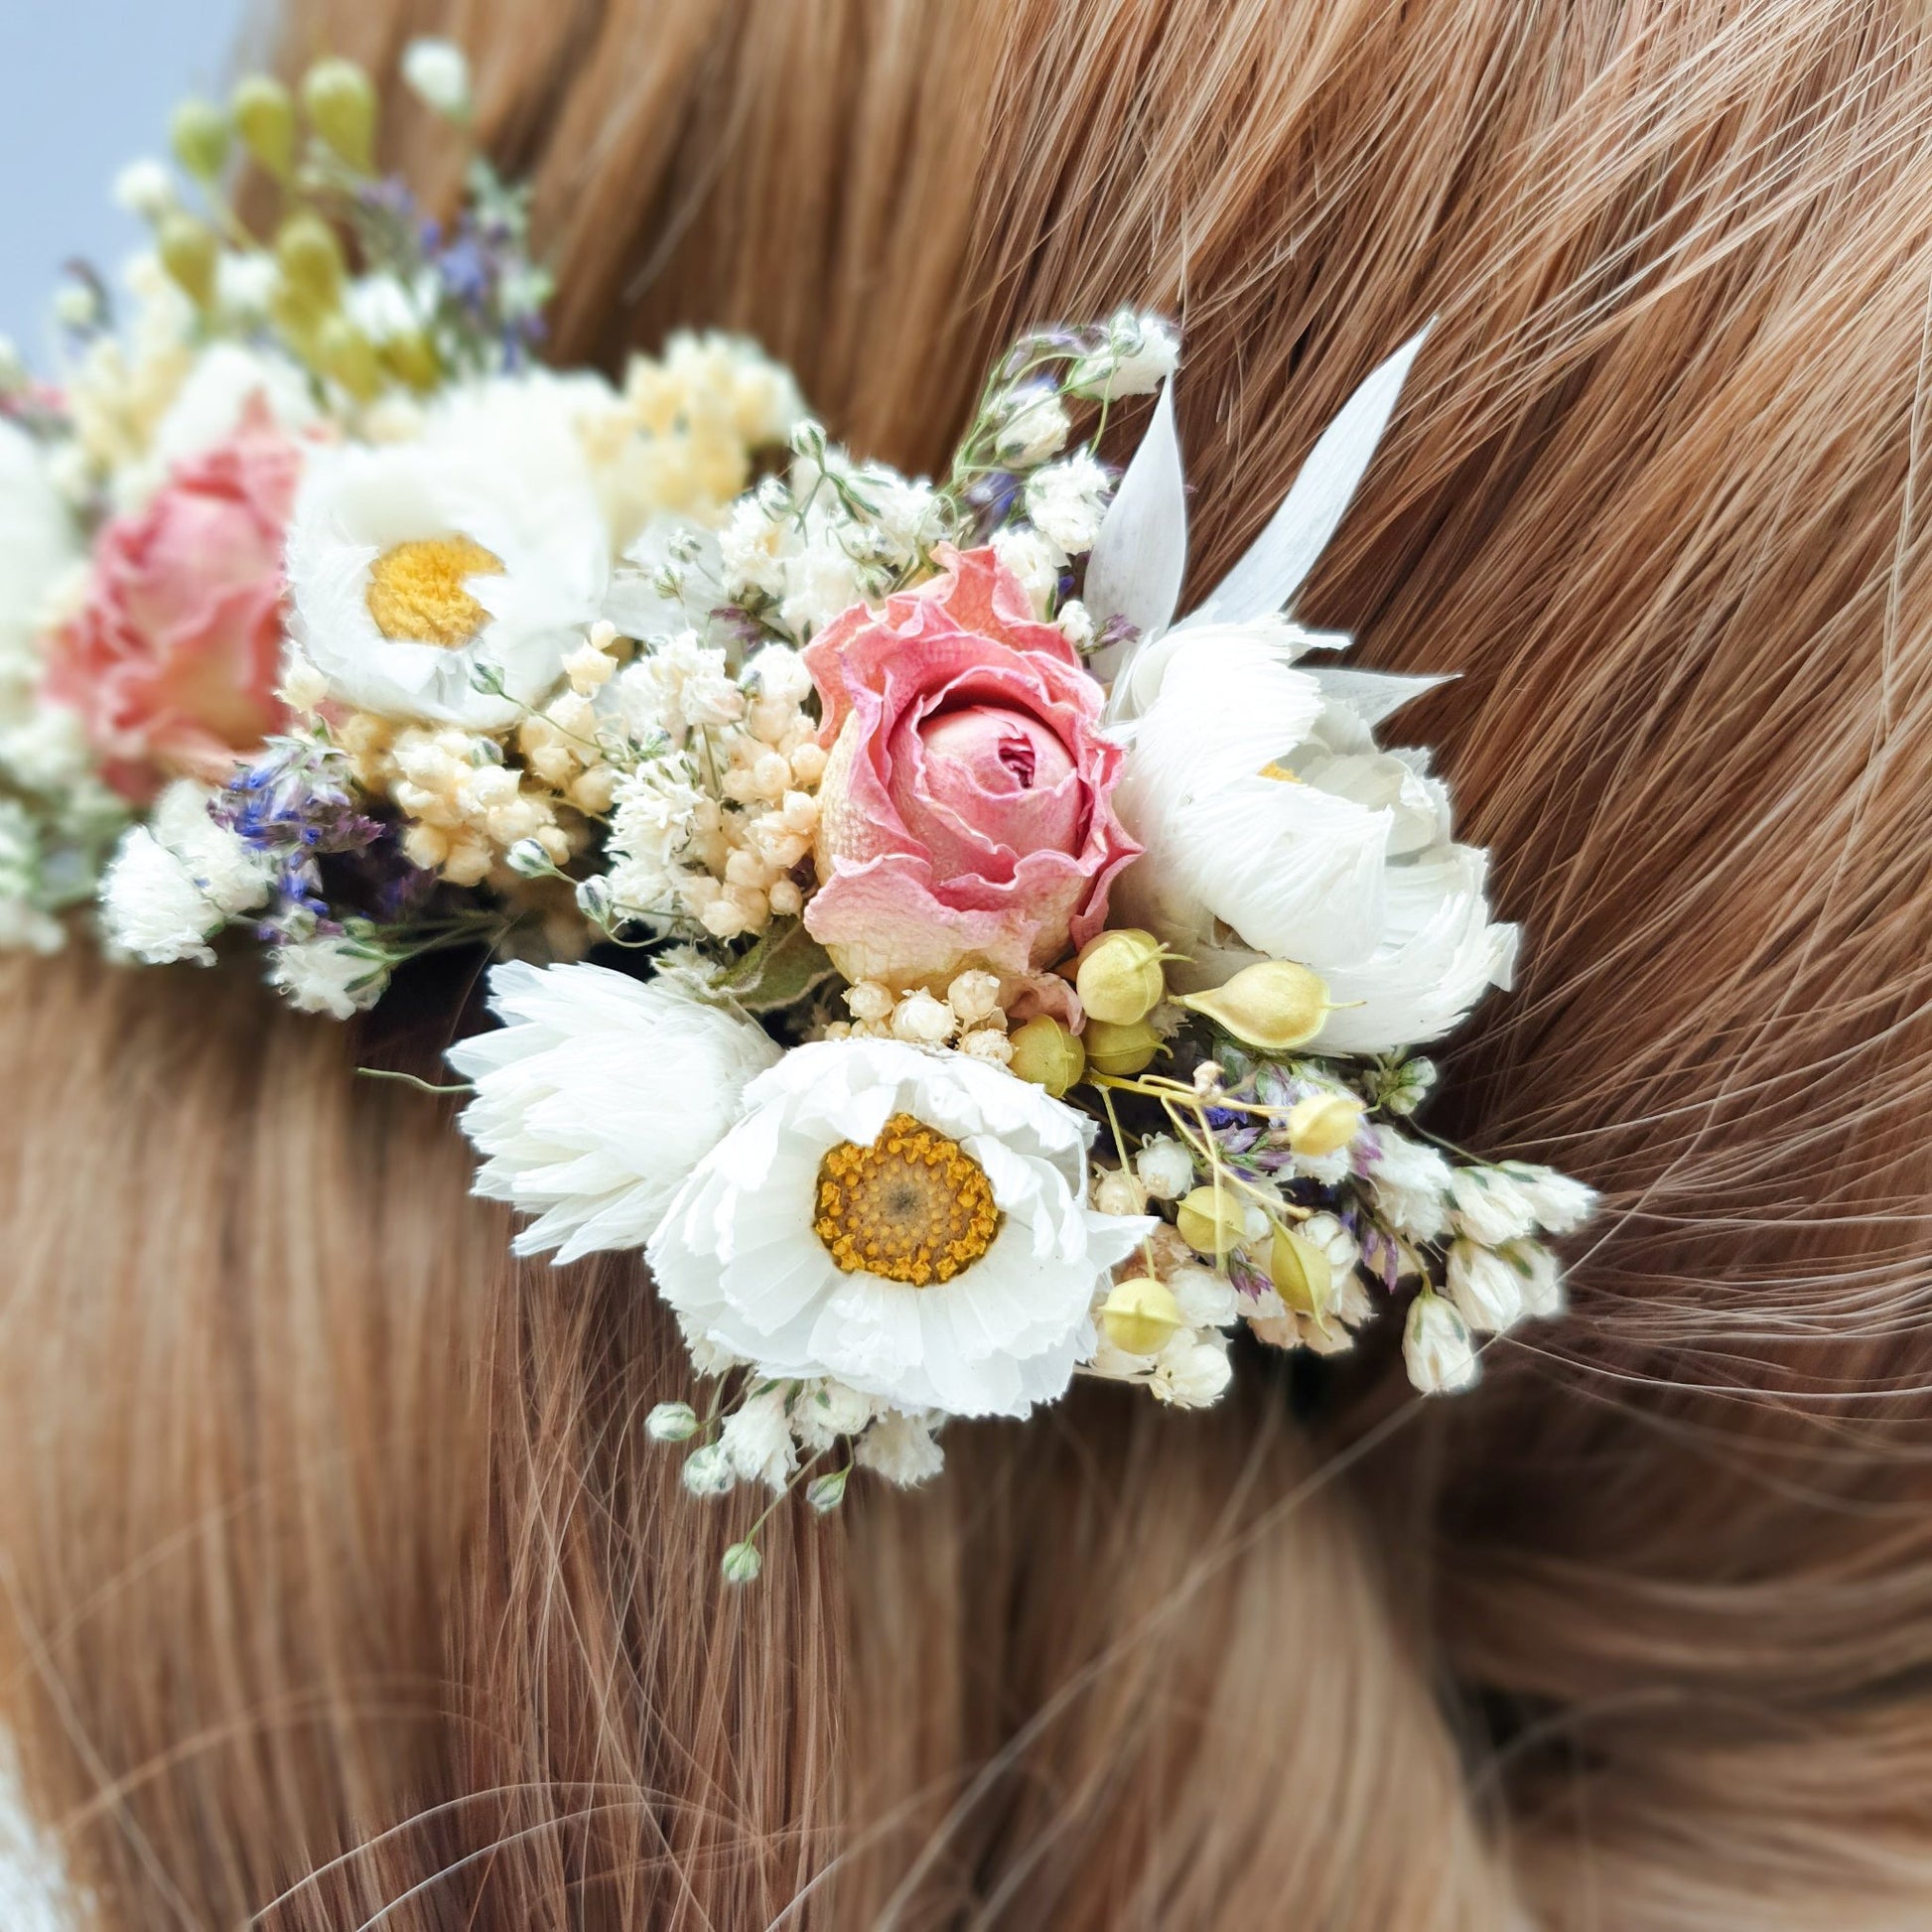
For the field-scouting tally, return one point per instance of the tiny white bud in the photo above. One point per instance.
(1435, 1347)
(593, 899)
(741, 1563)
(1166, 1167)
(145, 187)
(528, 859)
(439, 76)
(671, 1422)
(708, 1471)
(825, 1493)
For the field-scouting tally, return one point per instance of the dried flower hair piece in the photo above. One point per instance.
(1002, 976)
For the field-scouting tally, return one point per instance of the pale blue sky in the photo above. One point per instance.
(84, 85)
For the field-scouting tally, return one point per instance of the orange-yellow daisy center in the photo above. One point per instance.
(913, 1207)
(419, 592)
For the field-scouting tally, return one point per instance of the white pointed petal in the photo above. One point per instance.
(1141, 554)
(1278, 563)
(1372, 695)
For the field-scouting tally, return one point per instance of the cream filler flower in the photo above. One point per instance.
(911, 1222)
(421, 572)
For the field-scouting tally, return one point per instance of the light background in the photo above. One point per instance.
(85, 85)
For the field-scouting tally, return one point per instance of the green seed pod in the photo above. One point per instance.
(1119, 1050)
(411, 357)
(1323, 1122)
(1044, 1053)
(311, 260)
(1212, 1221)
(191, 255)
(340, 100)
(1274, 1005)
(347, 355)
(1300, 1273)
(264, 116)
(1119, 977)
(1138, 1316)
(200, 133)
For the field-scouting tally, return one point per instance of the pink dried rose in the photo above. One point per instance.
(172, 662)
(965, 814)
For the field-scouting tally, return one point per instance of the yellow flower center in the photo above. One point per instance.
(419, 592)
(1278, 771)
(913, 1207)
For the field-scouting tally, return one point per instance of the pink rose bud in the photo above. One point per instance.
(965, 815)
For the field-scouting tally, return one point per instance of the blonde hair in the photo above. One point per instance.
(340, 1585)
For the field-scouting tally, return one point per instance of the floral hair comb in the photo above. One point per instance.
(1003, 977)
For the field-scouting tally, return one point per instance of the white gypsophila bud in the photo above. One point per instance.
(1116, 1192)
(437, 74)
(1540, 1279)
(741, 1563)
(1435, 1347)
(1486, 1290)
(593, 899)
(1035, 560)
(974, 996)
(1192, 1371)
(1141, 353)
(780, 674)
(924, 1020)
(671, 1422)
(1166, 1167)
(1557, 1204)
(528, 860)
(988, 1043)
(869, 1002)
(825, 1493)
(1486, 1206)
(146, 189)
(1076, 625)
(708, 1471)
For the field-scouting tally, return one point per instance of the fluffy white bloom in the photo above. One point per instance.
(1486, 1290)
(1207, 1298)
(439, 75)
(971, 1208)
(1066, 499)
(207, 408)
(708, 1471)
(1540, 1279)
(1141, 353)
(481, 546)
(386, 310)
(175, 881)
(1274, 827)
(1035, 560)
(37, 546)
(1193, 1371)
(901, 1448)
(1166, 1167)
(145, 187)
(1435, 1347)
(757, 1437)
(1035, 429)
(1410, 1182)
(826, 1411)
(245, 280)
(1487, 1206)
(329, 975)
(598, 1097)
(1555, 1204)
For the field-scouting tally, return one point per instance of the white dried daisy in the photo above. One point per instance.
(478, 550)
(910, 1222)
(598, 1097)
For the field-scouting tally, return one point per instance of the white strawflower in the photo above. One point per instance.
(598, 1097)
(331, 975)
(1275, 828)
(145, 187)
(1555, 1204)
(908, 1223)
(757, 1437)
(1435, 1347)
(900, 1447)
(1066, 501)
(479, 552)
(439, 75)
(1166, 1167)
(1486, 1290)
(1410, 1182)
(1487, 1206)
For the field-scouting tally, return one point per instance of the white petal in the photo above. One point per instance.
(1139, 557)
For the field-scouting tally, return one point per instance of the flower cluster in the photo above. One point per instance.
(1001, 977)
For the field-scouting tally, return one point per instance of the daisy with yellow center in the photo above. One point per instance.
(908, 1223)
(420, 590)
